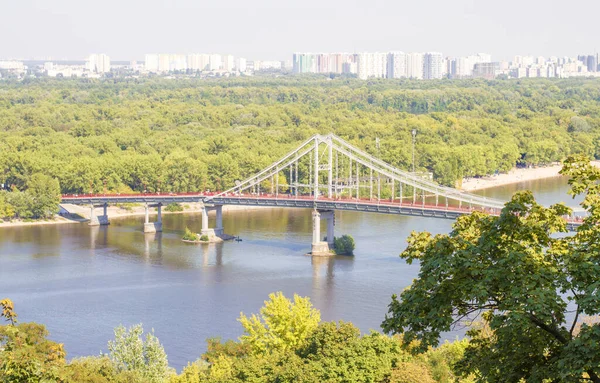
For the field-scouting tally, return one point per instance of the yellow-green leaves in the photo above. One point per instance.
(281, 325)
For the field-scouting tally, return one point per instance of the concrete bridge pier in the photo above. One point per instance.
(320, 247)
(153, 227)
(98, 220)
(217, 233)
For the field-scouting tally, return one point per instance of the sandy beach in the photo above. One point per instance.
(514, 176)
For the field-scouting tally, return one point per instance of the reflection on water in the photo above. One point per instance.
(83, 281)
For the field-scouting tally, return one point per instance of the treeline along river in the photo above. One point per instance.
(82, 282)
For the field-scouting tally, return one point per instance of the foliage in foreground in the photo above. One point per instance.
(529, 285)
(276, 346)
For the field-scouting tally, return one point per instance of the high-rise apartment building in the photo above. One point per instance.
(228, 63)
(197, 62)
(151, 63)
(433, 65)
(396, 65)
(414, 65)
(486, 70)
(592, 63)
(372, 65)
(98, 63)
(215, 62)
(164, 63)
(241, 65)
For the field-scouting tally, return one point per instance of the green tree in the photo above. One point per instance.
(45, 195)
(281, 324)
(344, 245)
(336, 352)
(522, 277)
(26, 354)
(146, 357)
(97, 369)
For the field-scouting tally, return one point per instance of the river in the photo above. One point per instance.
(81, 282)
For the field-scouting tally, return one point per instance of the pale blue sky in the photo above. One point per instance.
(274, 29)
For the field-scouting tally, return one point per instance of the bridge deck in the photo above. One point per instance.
(285, 200)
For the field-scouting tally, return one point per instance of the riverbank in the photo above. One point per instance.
(56, 221)
(514, 176)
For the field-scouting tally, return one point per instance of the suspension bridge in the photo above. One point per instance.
(325, 173)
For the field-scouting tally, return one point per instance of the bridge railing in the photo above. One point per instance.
(130, 195)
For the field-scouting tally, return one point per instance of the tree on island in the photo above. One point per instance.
(530, 287)
(344, 245)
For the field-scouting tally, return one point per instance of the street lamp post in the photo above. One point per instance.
(414, 136)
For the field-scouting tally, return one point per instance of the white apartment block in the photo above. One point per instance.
(241, 65)
(372, 65)
(396, 65)
(414, 66)
(228, 63)
(197, 62)
(433, 66)
(151, 63)
(98, 63)
(215, 62)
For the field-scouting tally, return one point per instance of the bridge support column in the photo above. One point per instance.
(329, 215)
(319, 247)
(152, 227)
(219, 220)
(103, 219)
(93, 217)
(217, 234)
(204, 219)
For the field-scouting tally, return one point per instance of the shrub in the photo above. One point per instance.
(189, 236)
(173, 207)
(344, 245)
(204, 237)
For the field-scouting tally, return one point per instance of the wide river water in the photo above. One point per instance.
(81, 282)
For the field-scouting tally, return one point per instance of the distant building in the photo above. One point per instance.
(228, 63)
(215, 62)
(396, 65)
(98, 63)
(433, 65)
(198, 62)
(592, 63)
(241, 65)
(372, 65)
(486, 70)
(151, 63)
(414, 65)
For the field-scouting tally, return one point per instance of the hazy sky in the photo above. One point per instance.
(274, 29)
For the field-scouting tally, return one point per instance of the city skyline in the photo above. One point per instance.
(268, 30)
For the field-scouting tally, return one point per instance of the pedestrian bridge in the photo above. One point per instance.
(324, 174)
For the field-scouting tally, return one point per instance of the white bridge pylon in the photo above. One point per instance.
(326, 166)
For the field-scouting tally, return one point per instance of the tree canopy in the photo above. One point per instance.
(528, 285)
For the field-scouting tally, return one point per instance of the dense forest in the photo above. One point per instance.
(189, 135)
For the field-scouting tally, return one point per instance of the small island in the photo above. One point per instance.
(191, 237)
